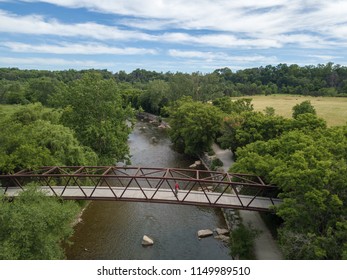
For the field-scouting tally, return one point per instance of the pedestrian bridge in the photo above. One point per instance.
(146, 184)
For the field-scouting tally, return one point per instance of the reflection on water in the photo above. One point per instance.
(114, 230)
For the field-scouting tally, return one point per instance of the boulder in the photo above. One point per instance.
(197, 163)
(222, 238)
(222, 231)
(204, 233)
(147, 241)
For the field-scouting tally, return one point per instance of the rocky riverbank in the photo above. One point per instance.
(265, 247)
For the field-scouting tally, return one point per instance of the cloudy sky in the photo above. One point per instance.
(171, 35)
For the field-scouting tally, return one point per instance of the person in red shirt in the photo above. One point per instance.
(177, 187)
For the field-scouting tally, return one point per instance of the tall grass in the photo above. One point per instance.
(332, 109)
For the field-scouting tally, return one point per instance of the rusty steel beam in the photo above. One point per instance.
(219, 184)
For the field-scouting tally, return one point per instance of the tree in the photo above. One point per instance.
(11, 93)
(248, 127)
(181, 85)
(310, 169)
(96, 113)
(44, 90)
(242, 242)
(269, 111)
(29, 138)
(155, 97)
(303, 108)
(33, 226)
(194, 125)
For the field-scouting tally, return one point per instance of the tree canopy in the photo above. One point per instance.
(33, 226)
(194, 125)
(94, 110)
(310, 168)
(31, 137)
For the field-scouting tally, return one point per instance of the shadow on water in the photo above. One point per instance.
(114, 230)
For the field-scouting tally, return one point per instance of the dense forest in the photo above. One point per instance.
(84, 117)
(152, 90)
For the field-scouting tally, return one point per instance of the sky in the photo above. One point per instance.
(171, 35)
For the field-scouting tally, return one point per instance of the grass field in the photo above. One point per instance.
(332, 109)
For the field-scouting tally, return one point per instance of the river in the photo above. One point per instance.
(114, 230)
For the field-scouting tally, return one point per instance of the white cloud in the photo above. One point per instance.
(221, 40)
(245, 26)
(324, 57)
(220, 57)
(38, 25)
(211, 32)
(247, 16)
(223, 15)
(73, 48)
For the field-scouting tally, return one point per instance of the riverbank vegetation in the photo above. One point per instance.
(33, 226)
(242, 242)
(84, 118)
(87, 123)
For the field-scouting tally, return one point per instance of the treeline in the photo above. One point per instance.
(152, 91)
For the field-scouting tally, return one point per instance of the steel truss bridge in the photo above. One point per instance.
(146, 184)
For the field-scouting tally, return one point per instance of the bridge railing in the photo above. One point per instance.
(144, 184)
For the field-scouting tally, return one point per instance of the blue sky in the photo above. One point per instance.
(171, 35)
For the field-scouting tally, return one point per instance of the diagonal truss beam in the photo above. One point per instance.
(213, 187)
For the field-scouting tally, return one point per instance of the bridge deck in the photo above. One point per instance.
(157, 196)
(147, 184)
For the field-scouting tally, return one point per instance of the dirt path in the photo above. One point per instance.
(265, 246)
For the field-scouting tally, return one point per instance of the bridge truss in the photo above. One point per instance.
(145, 184)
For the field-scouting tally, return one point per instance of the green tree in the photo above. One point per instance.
(238, 106)
(97, 115)
(12, 93)
(269, 111)
(33, 226)
(44, 90)
(30, 139)
(155, 97)
(181, 85)
(194, 125)
(248, 127)
(242, 242)
(303, 108)
(310, 168)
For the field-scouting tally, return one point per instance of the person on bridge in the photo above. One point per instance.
(177, 187)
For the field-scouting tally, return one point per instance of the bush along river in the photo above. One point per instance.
(114, 230)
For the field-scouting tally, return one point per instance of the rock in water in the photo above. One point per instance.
(204, 233)
(222, 231)
(147, 241)
(223, 238)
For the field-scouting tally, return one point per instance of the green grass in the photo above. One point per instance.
(331, 109)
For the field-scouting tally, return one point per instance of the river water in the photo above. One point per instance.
(114, 230)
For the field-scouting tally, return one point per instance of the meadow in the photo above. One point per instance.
(332, 109)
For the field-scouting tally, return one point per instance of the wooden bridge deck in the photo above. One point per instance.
(184, 197)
